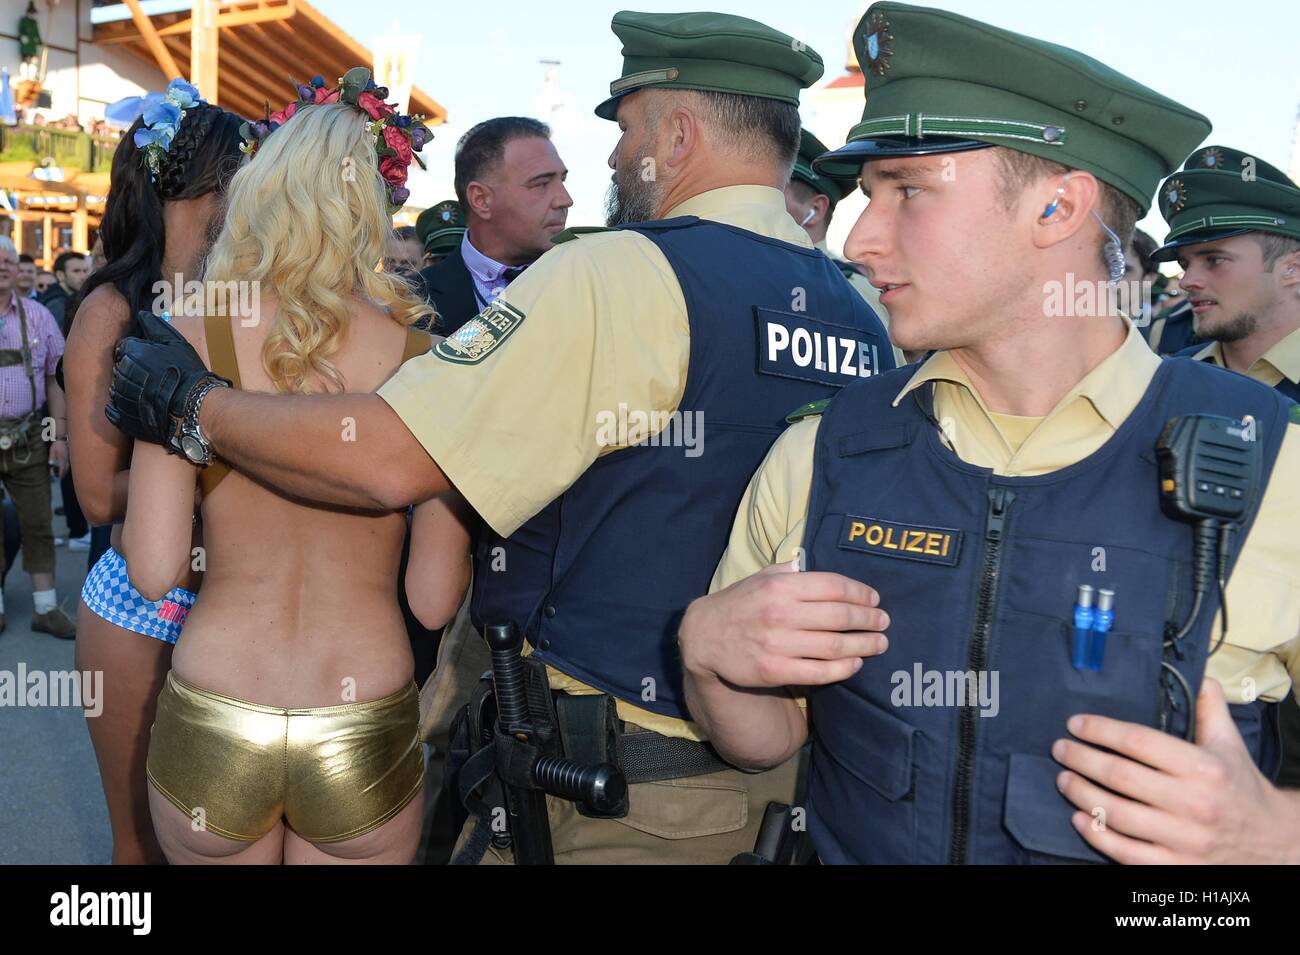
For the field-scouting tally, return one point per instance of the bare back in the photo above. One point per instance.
(298, 606)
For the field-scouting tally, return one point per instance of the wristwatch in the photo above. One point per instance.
(189, 438)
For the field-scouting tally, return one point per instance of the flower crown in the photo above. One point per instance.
(162, 120)
(398, 137)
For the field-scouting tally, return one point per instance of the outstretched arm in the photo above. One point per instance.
(349, 449)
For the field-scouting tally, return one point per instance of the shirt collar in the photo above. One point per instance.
(1113, 388)
(757, 209)
(480, 266)
(1284, 356)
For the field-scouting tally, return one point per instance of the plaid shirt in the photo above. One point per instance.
(47, 348)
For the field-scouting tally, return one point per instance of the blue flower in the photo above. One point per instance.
(182, 94)
(162, 114)
(318, 81)
(160, 136)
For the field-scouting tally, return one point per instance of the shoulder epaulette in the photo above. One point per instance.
(808, 410)
(570, 234)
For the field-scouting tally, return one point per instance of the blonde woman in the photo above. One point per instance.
(287, 730)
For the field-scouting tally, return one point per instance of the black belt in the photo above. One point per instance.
(592, 733)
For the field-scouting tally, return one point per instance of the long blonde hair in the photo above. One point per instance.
(308, 218)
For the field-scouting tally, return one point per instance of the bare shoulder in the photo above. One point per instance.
(102, 319)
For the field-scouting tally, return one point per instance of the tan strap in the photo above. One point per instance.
(221, 359)
(417, 343)
(1157, 332)
(221, 347)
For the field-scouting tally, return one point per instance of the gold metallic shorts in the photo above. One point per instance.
(332, 772)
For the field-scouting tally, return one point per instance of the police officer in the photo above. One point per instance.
(960, 506)
(440, 229)
(634, 376)
(811, 197)
(1234, 227)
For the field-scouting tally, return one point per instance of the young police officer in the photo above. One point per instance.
(719, 313)
(976, 495)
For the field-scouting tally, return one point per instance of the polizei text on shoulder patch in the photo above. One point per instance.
(935, 545)
(476, 339)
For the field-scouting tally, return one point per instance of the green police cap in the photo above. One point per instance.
(939, 82)
(1222, 192)
(833, 187)
(709, 51)
(439, 228)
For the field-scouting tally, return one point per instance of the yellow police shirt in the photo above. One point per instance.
(596, 322)
(1279, 362)
(1263, 594)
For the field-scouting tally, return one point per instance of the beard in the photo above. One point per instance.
(632, 197)
(1242, 325)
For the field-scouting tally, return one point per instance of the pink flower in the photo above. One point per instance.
(396, 141)
(324, 95)
(284, 115)
(374, 106)
(393, 170)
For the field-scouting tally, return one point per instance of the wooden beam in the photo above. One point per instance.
(275, 60)
(262, 13)
(204, 39)
(152, 40)
(125, 31)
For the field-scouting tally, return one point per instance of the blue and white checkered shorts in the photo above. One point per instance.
(108, 593)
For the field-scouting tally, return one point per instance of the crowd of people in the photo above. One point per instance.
(863, 479)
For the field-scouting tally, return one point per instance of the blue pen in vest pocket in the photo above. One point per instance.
(1101, 622)
(1091, 624)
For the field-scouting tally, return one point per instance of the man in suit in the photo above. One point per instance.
(510, 184)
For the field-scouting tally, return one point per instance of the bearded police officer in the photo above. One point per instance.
(811, 197)
(635, 377)
(1234, 227)
(964, 506)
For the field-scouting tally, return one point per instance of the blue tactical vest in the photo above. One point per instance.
(1285, 386)
(599, 579)
(979, 574)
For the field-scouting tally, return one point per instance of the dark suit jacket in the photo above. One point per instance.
(449, 288)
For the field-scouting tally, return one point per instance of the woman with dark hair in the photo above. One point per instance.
(164, 209)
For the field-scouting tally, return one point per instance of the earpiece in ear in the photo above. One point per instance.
(808, 217)
(1060, 191)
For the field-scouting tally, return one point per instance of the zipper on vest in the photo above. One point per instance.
(1000, 499)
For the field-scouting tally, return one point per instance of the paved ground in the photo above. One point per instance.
(51, 805)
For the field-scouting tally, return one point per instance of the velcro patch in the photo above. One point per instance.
(934, 545)
(476, 339)
(798, 346)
